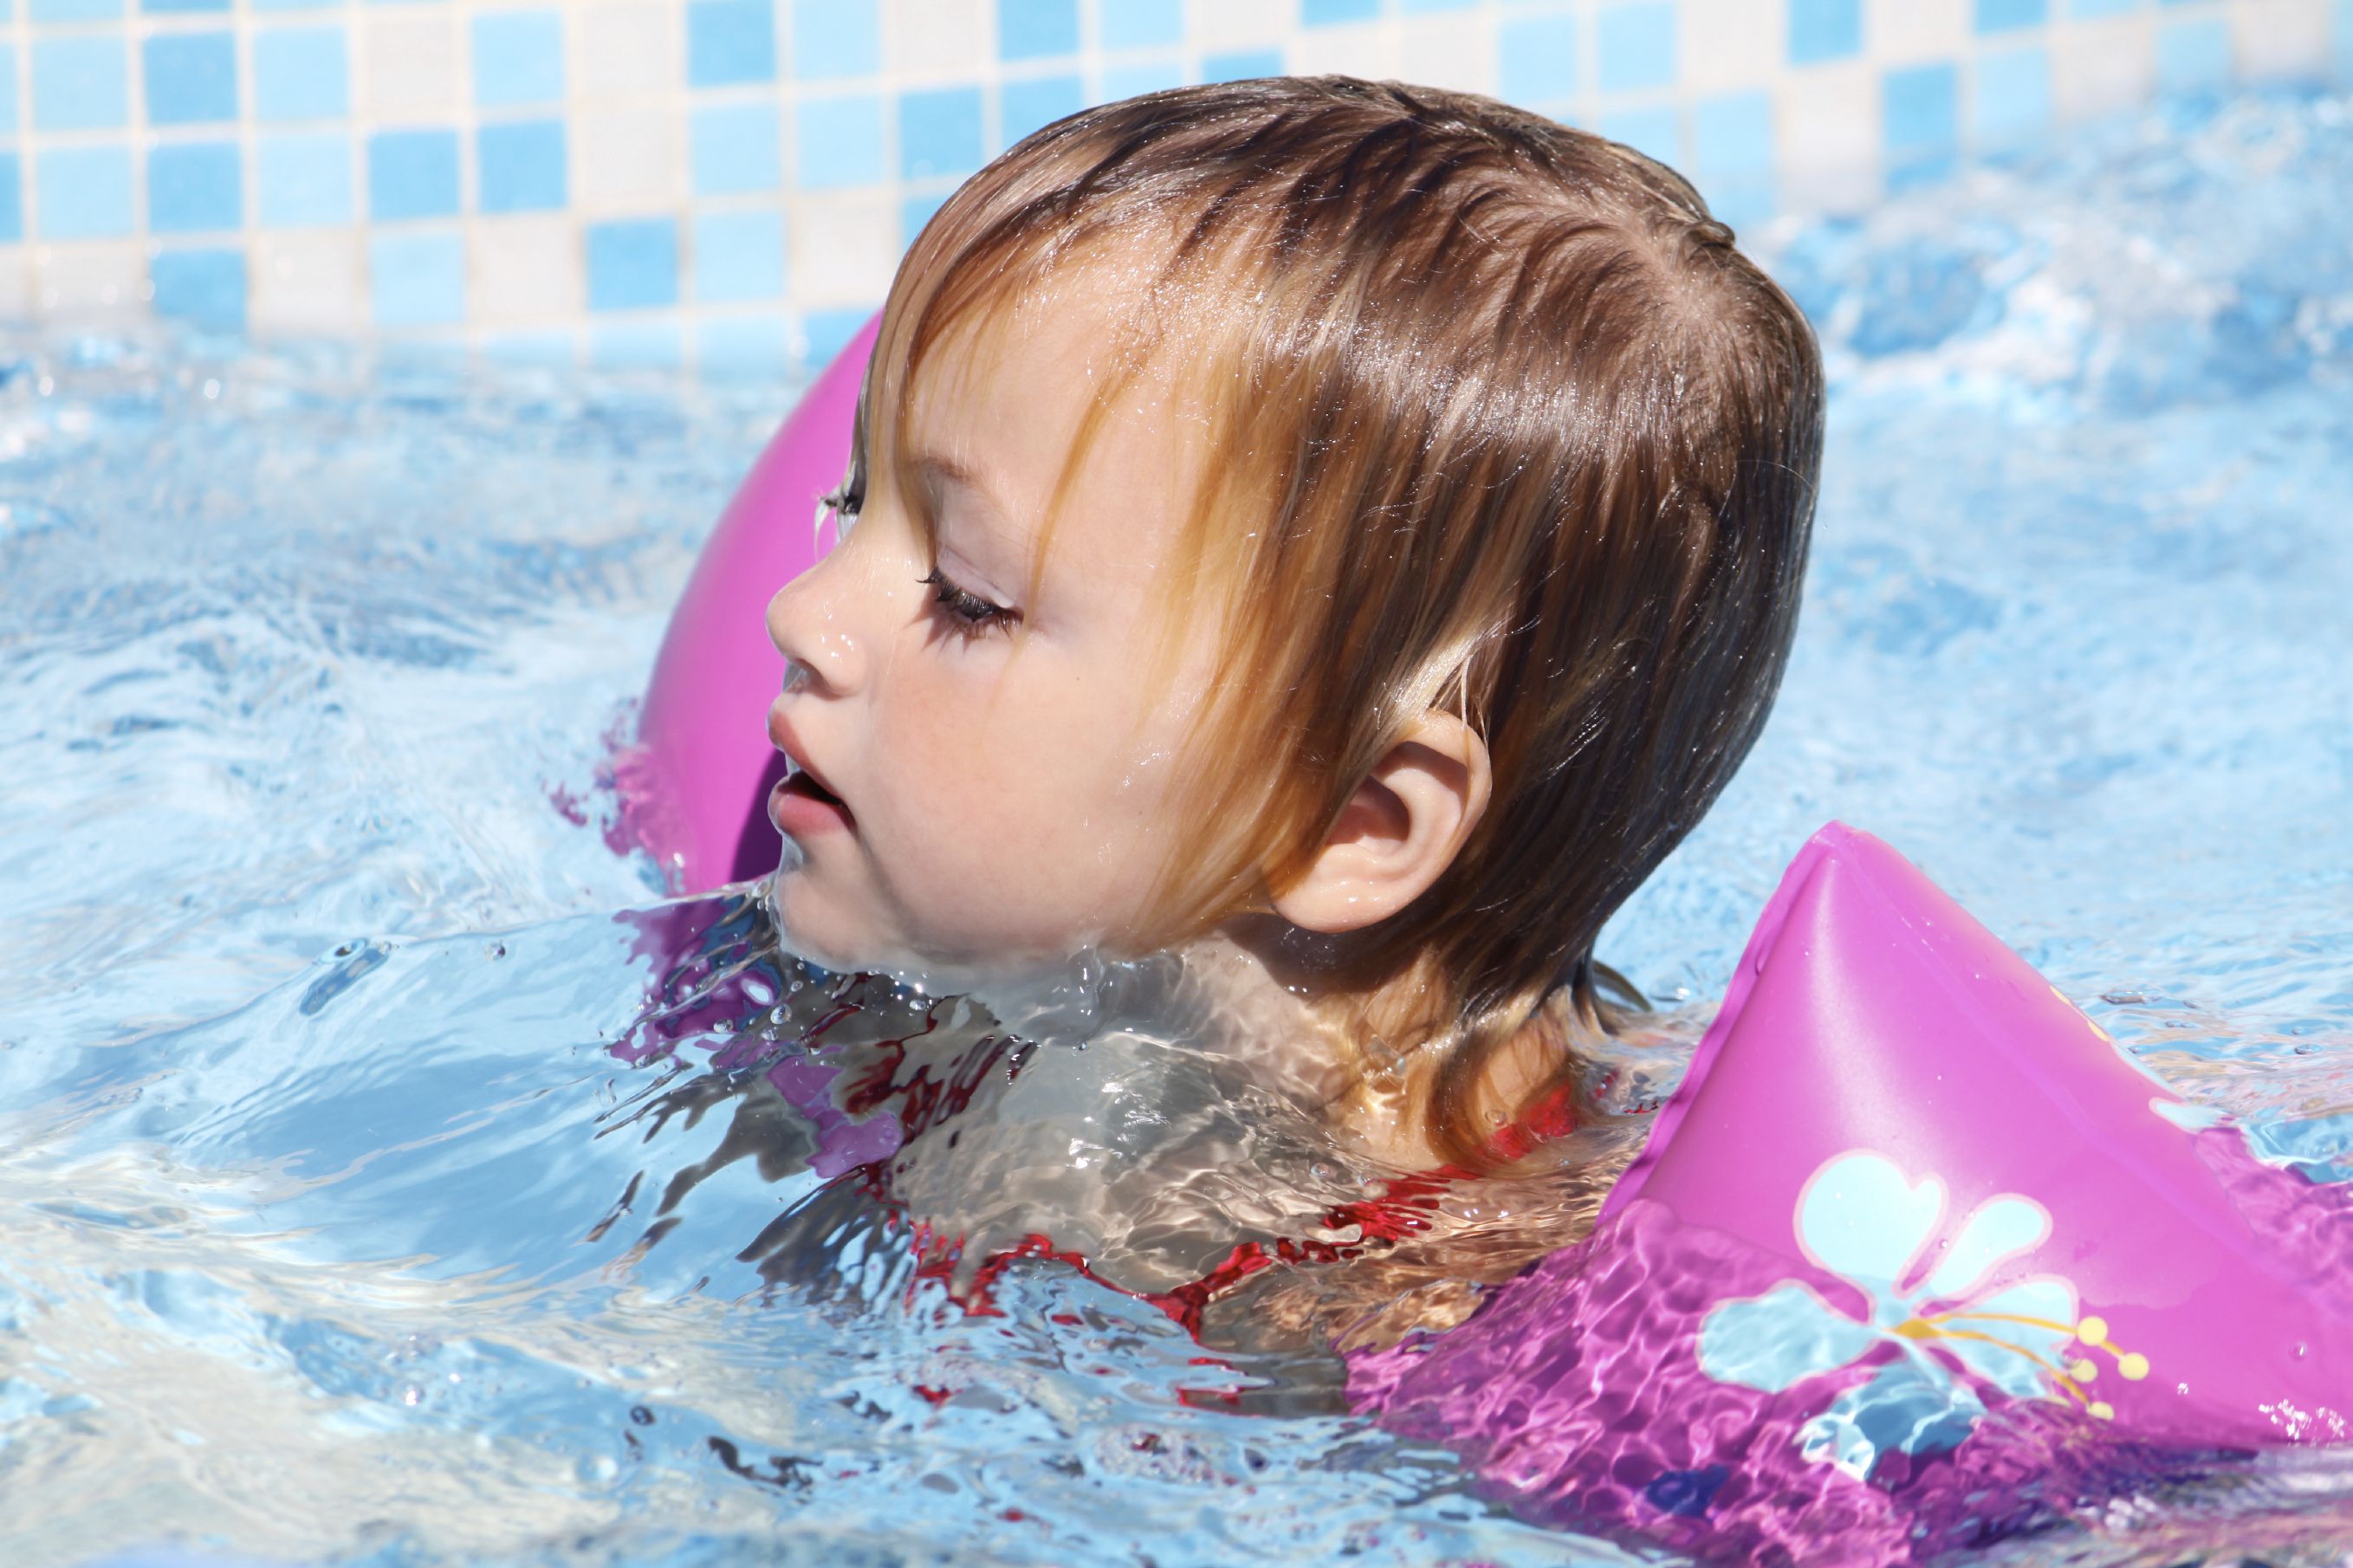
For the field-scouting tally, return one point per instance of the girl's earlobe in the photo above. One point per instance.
(1399, 832)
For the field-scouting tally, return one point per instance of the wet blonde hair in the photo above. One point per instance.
(1502, 423)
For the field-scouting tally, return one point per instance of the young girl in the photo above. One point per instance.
(1345, 532)
(1341, 534)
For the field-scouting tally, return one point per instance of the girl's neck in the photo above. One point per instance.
(1345, 1048)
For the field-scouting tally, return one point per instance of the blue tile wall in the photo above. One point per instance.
(191, 78)
(194, 187)
(518, 58)
(726, 183)
(303, 179)
(520, 167)
(301, 73)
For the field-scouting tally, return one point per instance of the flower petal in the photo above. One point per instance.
(2024, 1329)
(1777, 1340)
(1861, 1218)
(1999, 1228)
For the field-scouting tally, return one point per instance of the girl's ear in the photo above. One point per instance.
(1398, 833)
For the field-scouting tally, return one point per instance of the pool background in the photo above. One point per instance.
(311, 656)
(726, 183)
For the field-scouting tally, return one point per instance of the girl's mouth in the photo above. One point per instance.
(799, 805)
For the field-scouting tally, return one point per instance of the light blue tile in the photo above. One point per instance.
(1536, 60)
(2005, 15)
(206, 287)
(1241, 65)
(301, 73)
(85, 192)
(915, 212)
(835, 39)
(2193, 56)
(416, 279)
(1655, 132)
(730, 42)
(302, 179)
(1140, 24)
(1327, 12)
(12, 198)
(636, 345)
(939, 133)
(74, 10)
(1037, 29)
(2101, 8)
(825, 334)
(1732, 134)
(1637, 46)
(191, 78)
(194, 187)
(521, 166)
(633, 264)
(557, 349)
(9, 124)
(2345, 40)
(412, 175)
(518, 58)
(839, 142)
(743, 347)
(1824, 31)
(1132, 81)
(2010, 102)
(734, 148)
(172, 8)
(1919, 105)
(80, 84)
(739, 255)
(1024, 106)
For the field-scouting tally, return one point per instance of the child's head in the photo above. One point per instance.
(1371, 511)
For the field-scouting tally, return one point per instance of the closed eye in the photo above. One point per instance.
(972, 614)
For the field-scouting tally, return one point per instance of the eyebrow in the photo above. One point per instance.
(938, 470)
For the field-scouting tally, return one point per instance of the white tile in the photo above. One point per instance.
(101, 278)
(16, 283)
(409, 66)
(1828, 127)
(844, 249)
(2276, 40)
(626, 51)
(627, 159)
(313, 282)
(1219, 25)
(1729, 43)
(1454, 49)
(524, 271)
(933, 38)
(1907, 32)
(1367, 49)
(2097, 69)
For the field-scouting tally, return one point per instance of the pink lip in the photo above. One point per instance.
(802, 802)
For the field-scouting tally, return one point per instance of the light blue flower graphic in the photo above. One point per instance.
(1864, 1220)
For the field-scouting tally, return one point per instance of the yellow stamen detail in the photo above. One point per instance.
(2092, 1330)
(2133, 1367)
(2081, 1370)
(2103, 1411)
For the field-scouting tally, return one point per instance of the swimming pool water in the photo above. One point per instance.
(334, 1230)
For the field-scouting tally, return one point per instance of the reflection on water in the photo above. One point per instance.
(371, 1192)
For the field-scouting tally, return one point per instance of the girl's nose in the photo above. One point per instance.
(811, 621)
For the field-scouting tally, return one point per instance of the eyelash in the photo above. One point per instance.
(974, 614)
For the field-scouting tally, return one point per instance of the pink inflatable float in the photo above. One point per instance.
(1914, 1256)
(694, 789)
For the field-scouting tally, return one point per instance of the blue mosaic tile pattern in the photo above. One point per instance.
(727, 184)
